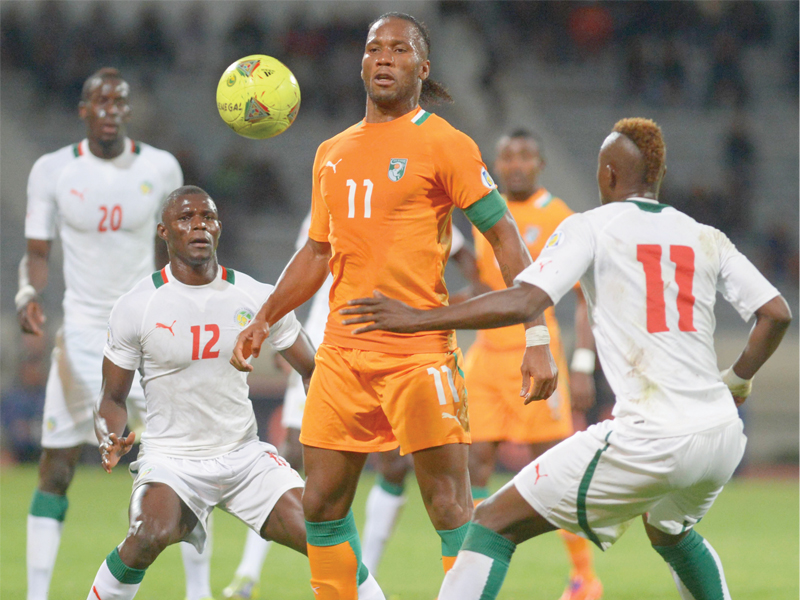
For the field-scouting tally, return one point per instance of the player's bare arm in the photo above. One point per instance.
(300, 356)
(33, 272)
(539, 371)
(111, 415)
(300, 280)
(772, 321)
(582, 367)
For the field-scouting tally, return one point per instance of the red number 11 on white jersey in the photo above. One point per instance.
(683, 258)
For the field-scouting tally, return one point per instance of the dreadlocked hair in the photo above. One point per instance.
(100, 75)
(647, 137)
(432, 92)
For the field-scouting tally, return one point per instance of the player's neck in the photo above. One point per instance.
(523, 195)
(377, 113)
(189, 274)
(107, 150)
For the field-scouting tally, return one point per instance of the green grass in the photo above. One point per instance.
(753, 526)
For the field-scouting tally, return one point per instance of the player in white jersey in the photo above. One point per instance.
(387, 497)
(200, 449)
(101, 196)
(650, 275)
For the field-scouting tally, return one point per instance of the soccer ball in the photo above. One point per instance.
(258, 97)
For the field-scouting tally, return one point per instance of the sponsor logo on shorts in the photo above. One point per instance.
(243, 317)
(51, 423)
(449, 416)
(145, 472)
(487, 179)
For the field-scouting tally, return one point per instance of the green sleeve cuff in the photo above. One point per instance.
(486, 212)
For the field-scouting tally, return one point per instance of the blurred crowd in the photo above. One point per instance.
(658, 49)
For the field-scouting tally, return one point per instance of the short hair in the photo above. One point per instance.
(101, 75)
(184, 190)
(433, 92)
(646, 136)
(527, 134)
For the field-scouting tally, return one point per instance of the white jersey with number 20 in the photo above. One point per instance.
(105, 212)
(180, 338)
(650, 275)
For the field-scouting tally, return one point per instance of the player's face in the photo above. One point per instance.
(518, 165)
(106, 110)
(191, 228)
(393, 67)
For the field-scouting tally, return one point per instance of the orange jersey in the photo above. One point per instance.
(383, 194)
(537, 218)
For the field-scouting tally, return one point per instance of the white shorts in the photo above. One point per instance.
(294, 402)
(595, 482)
(246, 483)
(73, 388)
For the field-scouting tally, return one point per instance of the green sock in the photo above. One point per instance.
(482, 540)
(333, 533)
(391, 488)
(122, 572)
(52, 506)
(697, 565)
(452, 539)
(479, 493)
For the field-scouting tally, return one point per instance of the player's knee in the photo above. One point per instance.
(55, 474)
(144, 543)
(395, 469)
(447, 512)
(317, 507)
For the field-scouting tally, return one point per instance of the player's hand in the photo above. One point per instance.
(382, 313)
(112, 448)
(538, 365)
(249, 343)
(31, 318)
(582, 392)
(739, 400)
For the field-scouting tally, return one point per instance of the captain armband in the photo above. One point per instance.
(486, 212)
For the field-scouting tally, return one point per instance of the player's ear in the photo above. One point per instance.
(82, 110)
(612, 177)
(425, 69)
(161, 231)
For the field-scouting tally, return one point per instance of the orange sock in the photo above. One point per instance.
(580, 554)
(451, 544)
(448, 562)
(334, 555)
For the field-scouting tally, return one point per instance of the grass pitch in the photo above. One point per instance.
(753, 527)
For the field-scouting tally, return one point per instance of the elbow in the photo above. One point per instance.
(778, 313)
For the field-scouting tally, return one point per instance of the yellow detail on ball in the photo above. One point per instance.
(258, 97)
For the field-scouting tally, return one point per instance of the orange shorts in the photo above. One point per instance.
(365, 401)
(496, 410)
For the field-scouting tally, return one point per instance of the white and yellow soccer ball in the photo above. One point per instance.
(258, 97)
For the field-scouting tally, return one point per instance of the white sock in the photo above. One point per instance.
(108, 587)
(370, 590)
(197, 567)
(253, 557)
(468, 577)
(383, 510)
(44, 537)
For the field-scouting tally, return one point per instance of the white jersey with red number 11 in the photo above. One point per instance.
(180, 338)
(650, 275)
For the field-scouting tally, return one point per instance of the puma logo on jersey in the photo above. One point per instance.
(94, 589)
(168, 327)
(538, 475)
(75, 192)
(315, 588)
(544, 264)
(333, 165)
(449, 416)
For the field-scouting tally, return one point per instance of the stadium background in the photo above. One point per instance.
(721, 78)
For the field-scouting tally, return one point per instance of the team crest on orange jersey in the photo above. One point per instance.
(397, 168)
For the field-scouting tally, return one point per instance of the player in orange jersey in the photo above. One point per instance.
(496, 412)
(383, 194)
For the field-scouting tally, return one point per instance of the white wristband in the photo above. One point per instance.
(537, 336)
(583, 361)
(25, 294)
(739, 387)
